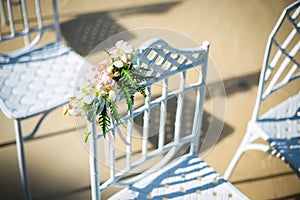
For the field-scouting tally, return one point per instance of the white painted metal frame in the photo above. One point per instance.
(35, 78)
(164, 62)
(279, 69)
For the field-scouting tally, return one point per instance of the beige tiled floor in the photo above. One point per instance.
(237, 30)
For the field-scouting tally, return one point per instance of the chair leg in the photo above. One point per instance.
(93, 155)
(233, 163)
(21, 159)
(239, 152)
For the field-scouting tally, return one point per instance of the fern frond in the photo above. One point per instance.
(130, 83)
(128, 96)
(113, 109)
(124, 83)
(104, 121)
(128, 76)
(139, 77)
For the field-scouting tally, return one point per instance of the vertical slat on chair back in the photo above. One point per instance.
(146, 123)
(163, 114)
(18, 22)
(163, 62)
(179, 108)
(282, 58)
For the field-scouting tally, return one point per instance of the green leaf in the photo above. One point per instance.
(128, 96)
(113, 109)
(104, 121)
(129, 78)
(130, 82)
(86, 135)
(139, 77)
(66, 110)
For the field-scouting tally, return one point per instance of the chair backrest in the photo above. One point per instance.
(281, 61)
(22, 20)
(160, 127)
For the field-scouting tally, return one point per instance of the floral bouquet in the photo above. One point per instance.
(119, 76)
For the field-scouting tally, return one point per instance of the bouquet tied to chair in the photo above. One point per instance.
(118, 76)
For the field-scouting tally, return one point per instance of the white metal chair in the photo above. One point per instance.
(154, 172)
(36, 77)
(276, 116)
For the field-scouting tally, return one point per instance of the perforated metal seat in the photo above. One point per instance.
(39, 80)
(282, 124)
(288, 151)
(282, 121)
(188, 177)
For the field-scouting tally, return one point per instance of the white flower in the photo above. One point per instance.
(109, 69)
(88, 99)
(112, 95)
(74, 107)
(99, 87)
(102, 93)
(114, 52)
(123, 58)
(106, 80)
(87, 94)
(118, 64)
(124, 46)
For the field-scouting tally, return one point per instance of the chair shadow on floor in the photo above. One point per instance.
(84, 32)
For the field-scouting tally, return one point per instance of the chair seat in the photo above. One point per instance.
(188, 177)
(282, 124)
(47, 76)
(282, 121)
(289, 150)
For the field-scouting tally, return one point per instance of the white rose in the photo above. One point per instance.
(118, 64)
